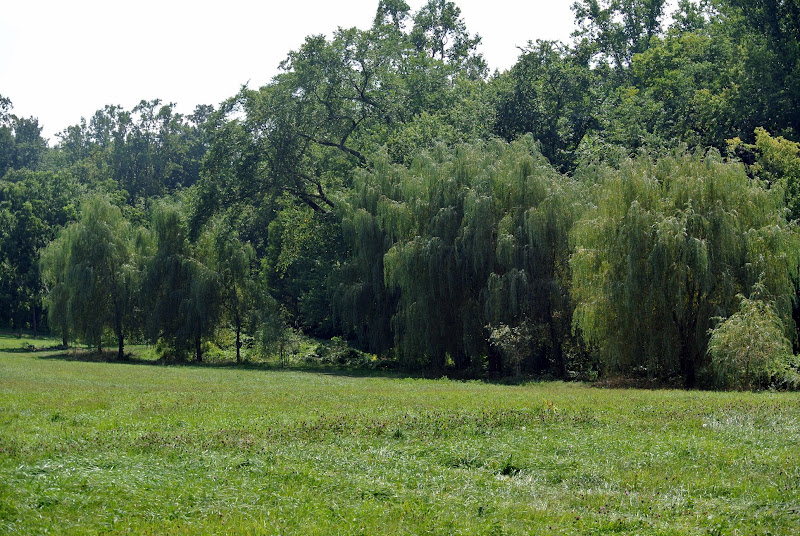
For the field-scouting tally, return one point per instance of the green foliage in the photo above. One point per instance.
(34, 205)
(93, 272)
(439, 31)
(514, 342)
(687, 88)
(338, 353)
(749, 348)
(274, 336)
(551, 93)
(231, 262)
(776, 160)
(167, 285)
(303, 248)
(337, 100)
(614, 31)
(768, 43)
(147, 151)
(467, 238)
(361, 194)
(21, 142)
(667, 247)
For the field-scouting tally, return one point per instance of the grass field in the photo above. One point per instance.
(92, 447)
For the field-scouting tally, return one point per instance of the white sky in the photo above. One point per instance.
(61, 60)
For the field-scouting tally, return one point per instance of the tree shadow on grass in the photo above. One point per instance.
(110, 356)
(87, 356)
(93, 356)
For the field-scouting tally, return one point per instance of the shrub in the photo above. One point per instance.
(749, 348)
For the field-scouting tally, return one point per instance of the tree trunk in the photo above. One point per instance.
(33, 322)
(121, 351)
(198, 349)
(495, 361)
(238, 342)
(686, 345)
(686, 357)
(557, 354)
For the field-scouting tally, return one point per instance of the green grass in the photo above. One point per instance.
(92, 447)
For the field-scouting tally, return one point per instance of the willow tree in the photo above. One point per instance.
(469, 237)
(168, 281)
(94, 274)
(665, 249)
(53, 261)
(530, 284)
(363, 304)
(229, 262)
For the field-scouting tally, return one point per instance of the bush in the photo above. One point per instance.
(749, 348)
(340, 354)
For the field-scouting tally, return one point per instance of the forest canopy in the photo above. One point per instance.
(625, 203)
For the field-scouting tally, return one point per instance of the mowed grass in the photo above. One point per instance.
(91, 447)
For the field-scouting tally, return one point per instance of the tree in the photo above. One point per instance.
(767, 34)
(777, 161)
(21, 142)
(54, 269)
(147, 151)
(93, 275)
(665, 249)
(34, 205)
(363, 304)
(337, 100)
(686, 80)
(616, 30)
(167, 281)
(551, 94)
(468, 238)
(183, 283)
(232, 262)
(440, 32)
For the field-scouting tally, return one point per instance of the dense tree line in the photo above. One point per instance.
(625, 203)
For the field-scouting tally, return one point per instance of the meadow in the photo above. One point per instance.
(89, 447)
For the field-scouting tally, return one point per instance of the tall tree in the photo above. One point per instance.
(21, 142)
(167, 281)
(551, 93)
(180, 285)
(440, 32)
(100, 274)
(232, 262)
(616, 30)
(468, 238)
(768, 37)
(34, 205)
(665, 250)
(147, 151)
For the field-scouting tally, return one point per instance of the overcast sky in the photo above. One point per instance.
(64, 59)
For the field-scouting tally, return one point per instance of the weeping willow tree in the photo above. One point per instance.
(225, 278)
(362, 302)
(665, 249)
(529, 286)
(460, 240)
(169, 284)
(93, 274)
(53, 262)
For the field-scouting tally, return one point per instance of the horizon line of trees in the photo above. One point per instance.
(626, 203)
